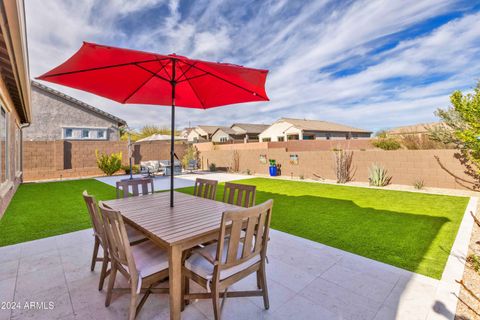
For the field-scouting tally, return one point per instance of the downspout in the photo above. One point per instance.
(22, 126)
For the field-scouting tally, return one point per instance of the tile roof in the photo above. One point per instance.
(252, 127)
(318, 125)
(415, 128)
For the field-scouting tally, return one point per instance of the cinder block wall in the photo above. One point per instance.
(405, 166)
(44, 160)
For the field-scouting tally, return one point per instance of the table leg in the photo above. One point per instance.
(175, 281)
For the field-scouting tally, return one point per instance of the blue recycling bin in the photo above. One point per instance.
(273, 171)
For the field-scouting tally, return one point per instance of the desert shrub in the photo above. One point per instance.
(474, 261)
(387, 144)
(419, 184)
(421, 142)
(378, 176)
(109, 164)
(343, 165)
(135, 169)
(213, 167)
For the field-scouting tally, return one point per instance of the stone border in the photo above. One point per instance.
(446, 297)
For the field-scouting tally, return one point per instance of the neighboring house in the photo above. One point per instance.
(226, 134)
(57, 116)
(201, 133)
(243, 132)
(185, 132)
(286, 129)
(15, 112)
(417, 129)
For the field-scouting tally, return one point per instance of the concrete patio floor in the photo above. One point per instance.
(306, 280)
(181, 181)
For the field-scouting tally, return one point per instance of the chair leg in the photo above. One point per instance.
(187, 289)
(103, 274)
(259, 280)
(184, 291)
(95, 253)
(263, 277)
(111, 282)
(216, 303)
(132, 313)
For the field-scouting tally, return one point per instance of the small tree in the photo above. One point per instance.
(190, 154)
(462, 129)
(109, 164)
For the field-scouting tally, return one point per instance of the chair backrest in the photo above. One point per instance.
(95, 216)
(257, 221)
(205, 188)
(239, 194)
(117, 239)
(127, 187)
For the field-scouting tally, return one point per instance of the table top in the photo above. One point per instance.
(192, 217)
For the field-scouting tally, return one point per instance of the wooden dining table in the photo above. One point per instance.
(192, 221)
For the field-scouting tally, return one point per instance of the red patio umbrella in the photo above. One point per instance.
(138, 77)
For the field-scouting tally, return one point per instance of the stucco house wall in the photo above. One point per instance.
(221, 136)
(274, 131)
(53, 114)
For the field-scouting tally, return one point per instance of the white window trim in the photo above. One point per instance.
(91, 136)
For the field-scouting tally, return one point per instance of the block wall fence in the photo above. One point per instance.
(405, 166)
(45, 160)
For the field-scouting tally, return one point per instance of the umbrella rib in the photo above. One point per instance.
(184, 73)
(140, 86)
(195, 91)
(99, 68)
(154, 73)
(228, 81)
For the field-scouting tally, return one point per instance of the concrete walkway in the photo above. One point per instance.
(180, 181)
(306, 280)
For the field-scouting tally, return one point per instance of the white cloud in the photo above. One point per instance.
(296, 41)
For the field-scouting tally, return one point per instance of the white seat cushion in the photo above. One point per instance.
(202, 267)
(149, 258)
(133, 235)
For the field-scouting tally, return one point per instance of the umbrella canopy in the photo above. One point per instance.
(138, 77)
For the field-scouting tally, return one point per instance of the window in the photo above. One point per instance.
(281, 138)
(101, 134)
(68, 133)
(223, 139)
(18, 154)
(3, 144)
(293, 137)
(309, 137)
(85, 133)
(266, 139)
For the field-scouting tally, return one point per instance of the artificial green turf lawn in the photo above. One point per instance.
(40, 210)
(414, 231)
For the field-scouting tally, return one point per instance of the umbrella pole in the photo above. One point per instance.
(172, 137)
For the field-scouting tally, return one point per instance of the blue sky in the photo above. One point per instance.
(369, 64)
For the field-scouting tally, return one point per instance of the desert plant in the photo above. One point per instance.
(387, 144)
(213, 167)
(190, 154)
(135, 169)
(343, 165)
(419, 184)
(421, 142)
(302, 177)
(248, 172)
(378, 176)
(109, 164)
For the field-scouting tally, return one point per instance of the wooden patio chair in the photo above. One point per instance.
(205, 188)
(128, 187)
(239, 194)
(134, 237)
(144, 265)
(217, 266)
